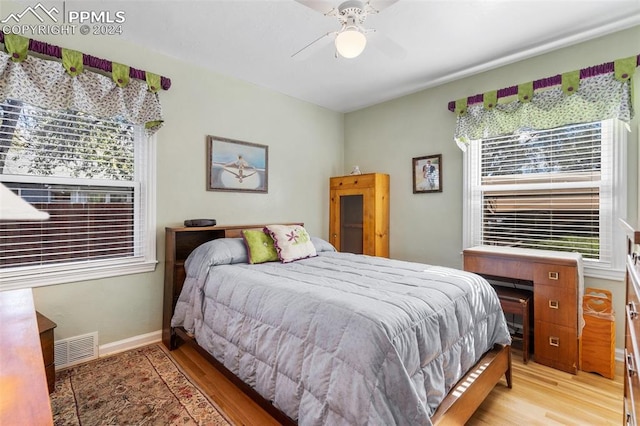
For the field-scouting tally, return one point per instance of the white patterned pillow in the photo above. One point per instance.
(292, 242)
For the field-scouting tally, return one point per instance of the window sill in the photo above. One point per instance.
(604, 274)
(50, 275)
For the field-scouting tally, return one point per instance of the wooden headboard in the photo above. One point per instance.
(179, 243)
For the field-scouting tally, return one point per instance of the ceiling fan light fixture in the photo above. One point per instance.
(350, 43)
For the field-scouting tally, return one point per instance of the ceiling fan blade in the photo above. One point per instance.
(386, 45)
(378, 5)
(314, 46)
(321, 6)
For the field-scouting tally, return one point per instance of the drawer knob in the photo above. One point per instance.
(554, 341)
(633, 313)
(554, 276)
(554, 304)
(630, 367)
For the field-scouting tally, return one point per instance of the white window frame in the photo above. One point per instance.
(145, 204)
(614, 133)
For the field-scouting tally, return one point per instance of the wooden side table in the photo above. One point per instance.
(45, 327)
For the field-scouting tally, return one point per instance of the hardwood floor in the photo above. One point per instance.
(540, 396)
(238, 407)
(544, 396)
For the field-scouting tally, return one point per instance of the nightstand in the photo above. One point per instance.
(45, 328)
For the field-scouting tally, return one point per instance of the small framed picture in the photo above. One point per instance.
(427, 174)
(236, 166)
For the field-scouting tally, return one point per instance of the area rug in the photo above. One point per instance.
(142, 386)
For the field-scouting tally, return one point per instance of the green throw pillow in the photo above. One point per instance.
(260, 246)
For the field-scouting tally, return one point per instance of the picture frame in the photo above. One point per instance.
(427, 174)
(236, 166)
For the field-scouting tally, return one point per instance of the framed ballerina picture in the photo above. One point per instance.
(427, 174)
(236, 166)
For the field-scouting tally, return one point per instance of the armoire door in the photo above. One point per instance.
(352, 223)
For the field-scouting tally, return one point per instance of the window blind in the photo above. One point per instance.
(86, 172)
(545, 190)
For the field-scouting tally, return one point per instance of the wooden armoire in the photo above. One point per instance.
(359, 214)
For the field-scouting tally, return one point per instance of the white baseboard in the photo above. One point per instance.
(156, 336)
(130, 343)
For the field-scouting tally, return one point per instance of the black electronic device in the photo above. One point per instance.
(199, 222)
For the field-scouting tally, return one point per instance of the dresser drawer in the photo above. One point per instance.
(633, 305)
(556, 346)
(632, 387)
(633, 328)
(497, 266)
(555, 275)
(629, 412)
(556, 305)
(352, 182)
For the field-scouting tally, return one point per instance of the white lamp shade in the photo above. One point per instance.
(350, 43)
(13, 207)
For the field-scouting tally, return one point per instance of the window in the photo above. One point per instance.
(560, 189)
(94, 177)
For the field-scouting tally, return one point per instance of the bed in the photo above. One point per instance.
(337, 338)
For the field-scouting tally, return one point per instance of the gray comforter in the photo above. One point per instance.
(340, 338)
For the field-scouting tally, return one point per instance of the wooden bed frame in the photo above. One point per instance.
(458, 406)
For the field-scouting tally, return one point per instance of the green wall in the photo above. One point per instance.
(305, 148)
(385, 137)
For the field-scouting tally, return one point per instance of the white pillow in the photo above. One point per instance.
(292, 242)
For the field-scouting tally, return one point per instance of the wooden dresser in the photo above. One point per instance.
(556, 279)
(24, 397)
(359, 214)
(632, 329)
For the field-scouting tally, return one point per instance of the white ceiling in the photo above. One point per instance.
(443, 40)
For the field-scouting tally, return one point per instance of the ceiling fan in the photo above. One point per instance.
(351, 39)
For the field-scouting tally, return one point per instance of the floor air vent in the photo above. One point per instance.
(76, 350)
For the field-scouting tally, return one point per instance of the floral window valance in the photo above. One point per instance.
(593, 94)
(67, 85)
